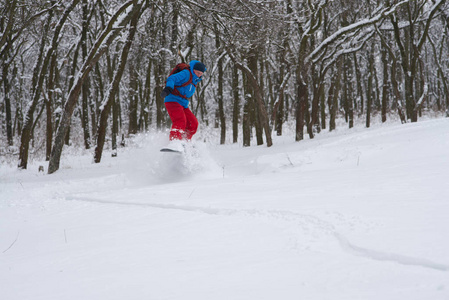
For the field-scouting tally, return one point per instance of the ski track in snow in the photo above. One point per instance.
(386, 256)
(290, 217)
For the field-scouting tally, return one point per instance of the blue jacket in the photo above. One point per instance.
(188, 90)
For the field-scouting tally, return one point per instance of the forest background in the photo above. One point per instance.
(91, 71)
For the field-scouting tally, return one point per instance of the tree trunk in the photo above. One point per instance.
(38, 81)
(99, 93)
(158, 73)
(334, 90)
(146, 97)
(221, 113)
(246, 122)
(236, 104)
(85, 91)
(349, 90)
(369, 89)
(278, 110)
(317, 88)
(358, 76)
(252, 58)
(7, 88)
(385, 99)
(174, 30)
(49, 106)
(115, 124)
(133, 99)
(301, 105)
(323, 107)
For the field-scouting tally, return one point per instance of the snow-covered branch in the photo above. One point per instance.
(363, 23)
(423, 97)
(432, 12)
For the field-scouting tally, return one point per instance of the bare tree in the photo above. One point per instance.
(85, 89)
(410, 43)
(109, 101)
(37, 86)
(107, 36)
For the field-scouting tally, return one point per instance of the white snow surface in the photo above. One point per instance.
(352, 214)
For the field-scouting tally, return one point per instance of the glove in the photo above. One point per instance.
(166, 91)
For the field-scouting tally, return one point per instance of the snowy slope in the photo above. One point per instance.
(352, 214)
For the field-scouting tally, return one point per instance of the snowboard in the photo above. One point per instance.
(171, 150)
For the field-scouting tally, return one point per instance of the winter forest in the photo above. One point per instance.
(91, 71)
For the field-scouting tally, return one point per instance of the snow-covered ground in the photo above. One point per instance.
(352, 214)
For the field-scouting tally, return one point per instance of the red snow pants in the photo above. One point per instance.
(184, 121)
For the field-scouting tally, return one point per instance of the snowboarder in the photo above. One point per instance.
(179, 87)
